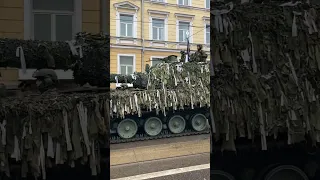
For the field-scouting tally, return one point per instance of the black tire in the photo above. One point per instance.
(221, 175)
(295, 174)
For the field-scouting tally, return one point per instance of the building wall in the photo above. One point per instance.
(170, 46)
(91, 16)
(117, 51)
(12, 25)
(11, 19)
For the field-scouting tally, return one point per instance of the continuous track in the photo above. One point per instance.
(164, 134)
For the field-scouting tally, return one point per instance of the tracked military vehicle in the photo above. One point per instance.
(48, 127)
(171, 99)
(265, 90)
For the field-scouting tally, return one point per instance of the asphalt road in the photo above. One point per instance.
(185, 158)
(194, 175)
(159, 142)
(190, 167)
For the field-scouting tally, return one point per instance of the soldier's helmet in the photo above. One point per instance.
(46, 79)
(199, 46)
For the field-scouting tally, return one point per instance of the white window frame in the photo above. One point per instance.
(118, 26)
(205, 4)
(151, 28)
(189, 3)
(151, 57)
(127, 26)
(29, 19)
(205, 33)
(190, 31)
(164, 1)
(134, 62)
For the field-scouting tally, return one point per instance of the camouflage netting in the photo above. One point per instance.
(171, 86)
(42, 131)
(266, 60)
(10, 55)
(87, 56)
(179, 75)
(138, 79)
(169, 76)
(94, 66)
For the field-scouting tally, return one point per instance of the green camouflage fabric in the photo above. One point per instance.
(42, 131)
(199, 56)
(88, 56)
(266, 60)
(170, 74)
(183, 56)
(179, 75)
(170, 86)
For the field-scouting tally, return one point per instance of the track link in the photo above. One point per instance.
(164, 134)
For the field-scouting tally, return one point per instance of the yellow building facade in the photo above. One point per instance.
(49, 20)
(144, 30)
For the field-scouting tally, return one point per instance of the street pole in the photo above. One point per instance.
(188, 46)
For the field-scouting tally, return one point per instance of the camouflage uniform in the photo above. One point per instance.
(199, 55)
(46, 79)
(183, 56)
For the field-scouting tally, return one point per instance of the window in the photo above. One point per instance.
(208, 4)
(184, 2)
(126, 64)
(156, 60)
(184, 27)
(53, 19)
(126, 25)
(158, 29)
(207, 34)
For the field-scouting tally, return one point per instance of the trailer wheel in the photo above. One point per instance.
(286, 172)
(220, 175)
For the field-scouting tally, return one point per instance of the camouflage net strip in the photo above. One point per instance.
(266, 71)
(168, 76)
(179, 76)
(169, 86)
(88, 56)
(135, 102)
(33, 58)
(42, 131)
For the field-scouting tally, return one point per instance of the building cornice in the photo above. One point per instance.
(170, 43)
(184, 15)
(176, 5)
(206, 18)
(158, 12)
(150, 49)
(126, 3)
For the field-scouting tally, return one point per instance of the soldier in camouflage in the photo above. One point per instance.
(183, 56)
(199, 56)
(47, 80)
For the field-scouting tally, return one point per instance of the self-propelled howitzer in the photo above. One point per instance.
(173, 101)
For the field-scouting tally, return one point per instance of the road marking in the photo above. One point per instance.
(166, 172)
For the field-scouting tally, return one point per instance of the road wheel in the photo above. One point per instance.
(199, 122)
(220, 175)
(177, 124)
(127, 128)
(153, 126)
(286, 172)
